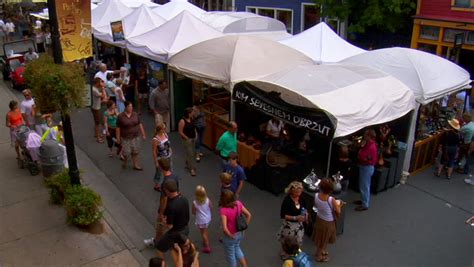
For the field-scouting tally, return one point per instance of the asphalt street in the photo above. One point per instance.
(417, 224)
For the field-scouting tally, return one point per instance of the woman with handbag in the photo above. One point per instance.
(329, 209)
(235, 218)
(293, 215)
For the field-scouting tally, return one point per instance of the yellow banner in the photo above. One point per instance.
(74, 20)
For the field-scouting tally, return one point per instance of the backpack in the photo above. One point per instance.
(301, 260)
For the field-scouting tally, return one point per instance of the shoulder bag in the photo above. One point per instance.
(240, 220)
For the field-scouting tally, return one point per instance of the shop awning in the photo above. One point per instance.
(141, 20)
(173, 36)
(109, 11)
(322, 44)
(351, 96)
(174, 7)
(224, 61)
(428, 76)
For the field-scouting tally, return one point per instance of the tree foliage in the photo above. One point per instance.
(361, 15)
(55, 87)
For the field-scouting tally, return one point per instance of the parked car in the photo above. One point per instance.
(13, 61)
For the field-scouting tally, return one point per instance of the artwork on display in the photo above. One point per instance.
(156, 73)
(117, 31)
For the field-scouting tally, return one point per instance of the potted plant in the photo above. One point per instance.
(82, 206)
(55, 87)
(57, 184)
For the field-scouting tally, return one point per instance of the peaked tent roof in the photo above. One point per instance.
(229, 59)
(173, 36)
(322, 44)
(174, 7)
(141, 20)
(109, 11)
(138, 3)
(356, 96)
(428, 76)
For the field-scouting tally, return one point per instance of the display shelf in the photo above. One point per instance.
(425, 152)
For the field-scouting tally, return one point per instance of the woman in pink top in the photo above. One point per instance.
(230, 209)
(367, 160)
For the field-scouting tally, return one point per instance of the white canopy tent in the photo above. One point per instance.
(322, 44)
(428, 76)
(237, 22)
(227, 60)
(174, 7)
(246, 23)
(356, 96)
(180, 32)
(141, 20)
(138, 3)
(109, 11)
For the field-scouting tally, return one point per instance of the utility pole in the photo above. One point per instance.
(65, 116)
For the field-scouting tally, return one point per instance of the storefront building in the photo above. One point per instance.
(438, 22)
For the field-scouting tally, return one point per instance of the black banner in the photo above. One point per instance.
(313, 119)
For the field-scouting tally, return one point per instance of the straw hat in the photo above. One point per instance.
(454, 123)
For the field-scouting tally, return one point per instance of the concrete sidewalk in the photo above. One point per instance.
(34, 232)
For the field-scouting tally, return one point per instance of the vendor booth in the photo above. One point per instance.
(328, 104)
(431, 78)
(216, 64)
(322, 44)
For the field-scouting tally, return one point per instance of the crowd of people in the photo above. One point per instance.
(116, 121)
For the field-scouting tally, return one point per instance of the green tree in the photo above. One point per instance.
(364, 15)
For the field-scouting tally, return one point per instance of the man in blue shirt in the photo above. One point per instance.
(237, 172)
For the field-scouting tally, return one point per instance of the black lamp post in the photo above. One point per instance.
(65, 117)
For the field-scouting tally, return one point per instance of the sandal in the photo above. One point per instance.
(99, 140)
(193, 172)
(325, 253)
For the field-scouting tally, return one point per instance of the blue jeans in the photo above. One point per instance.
(233, 253)
(159, 173)
(365, 175)
(200, 132)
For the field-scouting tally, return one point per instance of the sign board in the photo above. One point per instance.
(117, 31)
(74, 20)
(312, 119)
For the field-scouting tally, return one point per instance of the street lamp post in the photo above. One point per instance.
(65, 117)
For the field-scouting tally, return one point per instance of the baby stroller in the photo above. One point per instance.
(29, 142)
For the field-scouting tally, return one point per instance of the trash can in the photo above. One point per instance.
(52, 158)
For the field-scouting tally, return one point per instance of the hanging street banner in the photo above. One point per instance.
(312, 119)
(74, 21)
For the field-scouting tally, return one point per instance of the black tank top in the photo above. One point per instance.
(189, 129)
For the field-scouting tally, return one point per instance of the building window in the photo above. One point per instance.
(449, 34)
(430, 32)
(311, 15)
(463, 3)
(469, 37)
(281, 14)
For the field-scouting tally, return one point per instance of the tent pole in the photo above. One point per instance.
(414, 120)
(171, 88)
(232, 110)
(329, 158)
(127, 56)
